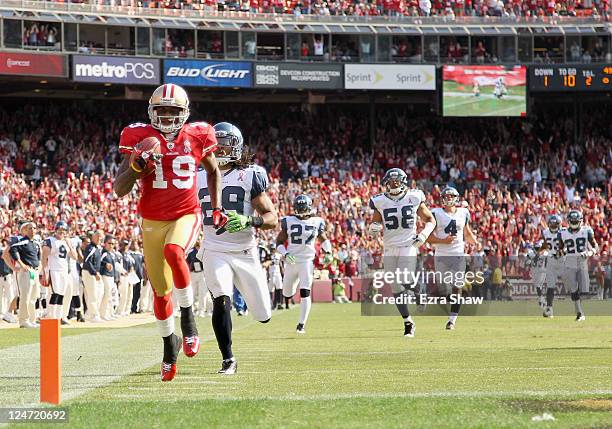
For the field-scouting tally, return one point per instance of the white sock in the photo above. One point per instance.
(305, 305)
(166, 327)
(452, 318)
(408, 319)
(184, 296)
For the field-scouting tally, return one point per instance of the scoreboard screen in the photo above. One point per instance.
(570, 78)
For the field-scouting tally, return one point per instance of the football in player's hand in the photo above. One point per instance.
(146, 154)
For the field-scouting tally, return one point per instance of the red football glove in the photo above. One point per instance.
(219, 218)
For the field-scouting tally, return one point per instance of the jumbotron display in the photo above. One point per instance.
(571, 78)
(484, 90)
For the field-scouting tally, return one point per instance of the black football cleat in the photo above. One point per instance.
(580, 317)
(409, 329)
(300, 328)
(228, 367)
(450, 326)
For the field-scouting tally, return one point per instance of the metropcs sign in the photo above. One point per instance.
(87, 68)
(390, 77)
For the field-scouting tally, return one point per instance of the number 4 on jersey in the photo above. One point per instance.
(451, 228)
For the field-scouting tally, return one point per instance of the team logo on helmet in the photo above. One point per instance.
(574, 219)
(61, 225)
(169, 95)
(229, 143)
(554, 222)
(302, 206)
(449, 196)
(395, 181)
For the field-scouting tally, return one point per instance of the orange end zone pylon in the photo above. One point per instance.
(50, 361)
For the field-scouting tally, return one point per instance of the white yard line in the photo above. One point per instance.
(434, 370)
(557, 394)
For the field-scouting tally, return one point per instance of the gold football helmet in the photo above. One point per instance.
(169, 95)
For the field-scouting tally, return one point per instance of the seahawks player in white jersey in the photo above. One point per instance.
(578, 245)
(301, 231)
(452, 231)
(275, 278)
(536, 261)
(500, 88)
(554, 260)
(77, 287)
(230, 254)
(55, 253)
(395, 213)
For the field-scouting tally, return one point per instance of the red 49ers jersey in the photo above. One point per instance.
(170, 191)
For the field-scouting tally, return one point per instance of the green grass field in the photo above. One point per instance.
(459, 100)
(348, 371)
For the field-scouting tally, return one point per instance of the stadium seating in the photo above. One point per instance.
(512, 173)
(394, 8)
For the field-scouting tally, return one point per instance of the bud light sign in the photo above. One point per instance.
(208, 73)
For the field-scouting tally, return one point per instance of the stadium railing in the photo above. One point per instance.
(292, 18)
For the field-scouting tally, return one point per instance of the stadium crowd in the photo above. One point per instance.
(58, 161)
(394, 8)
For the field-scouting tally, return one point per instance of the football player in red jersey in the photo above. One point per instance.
(171, 214)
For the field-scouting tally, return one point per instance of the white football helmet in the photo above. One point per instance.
(173, 96)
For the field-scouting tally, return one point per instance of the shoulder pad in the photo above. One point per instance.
(197, 127)
(136, 128)
(418, 193)
(257, 168)
(132, 134)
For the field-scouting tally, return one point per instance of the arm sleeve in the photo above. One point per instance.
(48, 243)
(87, 265)
(13, 249)
(467, 216)
(260, 182)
